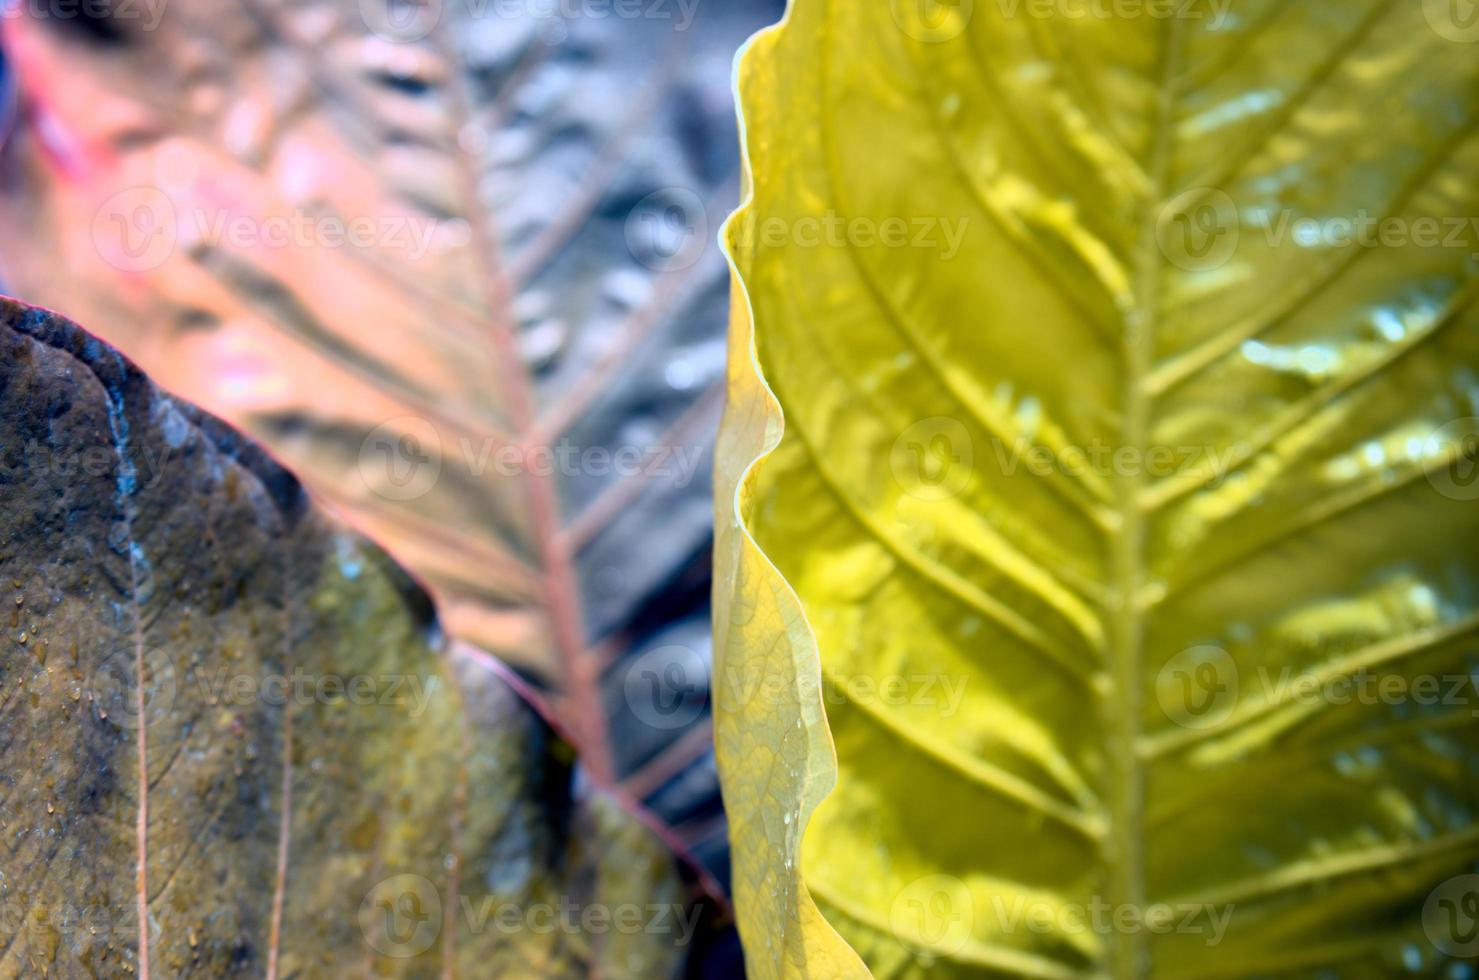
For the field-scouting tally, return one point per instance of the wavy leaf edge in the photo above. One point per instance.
(808, 944)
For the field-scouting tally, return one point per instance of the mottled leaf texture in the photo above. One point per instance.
(1127, 493)
(509, 376)
(169, 808)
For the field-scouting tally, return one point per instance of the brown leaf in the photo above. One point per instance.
(231, 739)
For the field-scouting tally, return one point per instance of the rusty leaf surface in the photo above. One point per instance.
(232, 740)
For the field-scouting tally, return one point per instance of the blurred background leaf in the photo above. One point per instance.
(454, 264)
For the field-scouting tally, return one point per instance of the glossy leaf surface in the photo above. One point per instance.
(1123, 471)
(232, 740)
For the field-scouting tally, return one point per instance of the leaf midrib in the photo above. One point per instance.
(562, 608)
(1126, 789)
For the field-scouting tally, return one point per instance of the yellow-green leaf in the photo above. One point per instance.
(1114, 512)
